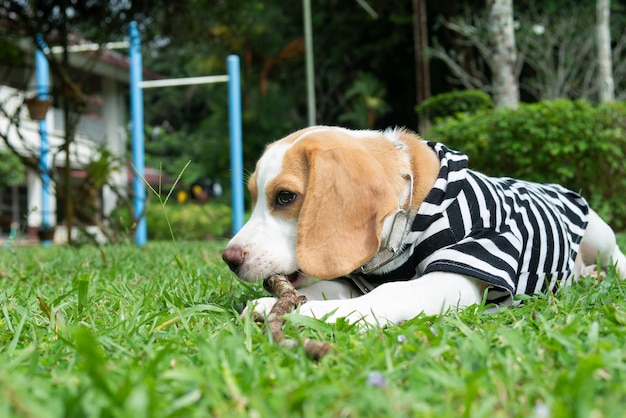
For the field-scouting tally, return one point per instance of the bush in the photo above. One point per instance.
(456, 102)
(11, 169)
(573, 143)
(189, 221)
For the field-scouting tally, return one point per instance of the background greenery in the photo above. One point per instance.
(11, 170)
(574, 143)
(578, 144)
(448, 104)
(365, 77)
(355, 69)
(155, 332)
(189, 221)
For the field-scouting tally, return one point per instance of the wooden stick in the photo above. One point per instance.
(288, 299)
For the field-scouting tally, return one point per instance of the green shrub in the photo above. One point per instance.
(573, 143)
(456, 102)
(11, 169)
(189, 221)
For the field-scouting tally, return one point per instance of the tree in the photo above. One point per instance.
(557, 54)
(367, 101)
(560, 53)
(603, 37)
(11, 169)
(504, 59)
(56, 22)
(192, 121)
(268, 37)
(422, 70)
(467, 54)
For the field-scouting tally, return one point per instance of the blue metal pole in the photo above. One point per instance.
(136, 107)
(236, 158)
(43, 86)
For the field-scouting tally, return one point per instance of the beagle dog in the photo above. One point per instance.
(380, 226)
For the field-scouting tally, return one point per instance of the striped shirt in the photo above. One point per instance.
(518, 237)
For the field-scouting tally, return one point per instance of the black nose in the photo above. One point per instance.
(234, 256)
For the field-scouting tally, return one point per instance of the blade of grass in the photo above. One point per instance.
(158, 194)
(17, 334)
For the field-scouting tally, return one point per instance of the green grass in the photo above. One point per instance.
(125, 332)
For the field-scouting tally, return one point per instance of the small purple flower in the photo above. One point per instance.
(376, 379)
(401, 338)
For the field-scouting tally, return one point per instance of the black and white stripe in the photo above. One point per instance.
(519, 237)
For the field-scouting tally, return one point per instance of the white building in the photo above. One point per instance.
(104, 77)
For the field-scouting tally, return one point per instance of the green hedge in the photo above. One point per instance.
(453, 103)
(573, 143)
(189, 221)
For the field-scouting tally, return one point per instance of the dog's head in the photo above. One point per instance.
(320, 196)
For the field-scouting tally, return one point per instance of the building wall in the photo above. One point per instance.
(106, 125)
(114, 117)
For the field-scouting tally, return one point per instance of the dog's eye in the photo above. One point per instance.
(284, 198)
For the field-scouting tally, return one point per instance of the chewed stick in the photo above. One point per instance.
(288, 299)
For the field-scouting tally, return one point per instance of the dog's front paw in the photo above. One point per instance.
(331, 311)
(594, 271)
(258, 309)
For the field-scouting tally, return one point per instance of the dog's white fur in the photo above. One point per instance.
(286, 240)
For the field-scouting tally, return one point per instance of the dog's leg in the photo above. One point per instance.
(330, 289)
(394, 302)
(599, 244)
(322, 290)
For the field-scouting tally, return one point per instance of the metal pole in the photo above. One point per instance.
(173, 82)
(136, 106)
(90, 47)
(43, 87)
(236, 158)
(310, 71)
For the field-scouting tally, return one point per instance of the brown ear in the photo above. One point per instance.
(346, 200)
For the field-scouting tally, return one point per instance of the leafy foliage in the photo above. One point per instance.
(367, 96)
(364, 64)
(11, 169)
(96, 20)
(451, 103)
(189, 221)
(354, 85)
(573, 143)
(61, 23)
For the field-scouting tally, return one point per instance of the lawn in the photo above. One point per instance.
(155, 332)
